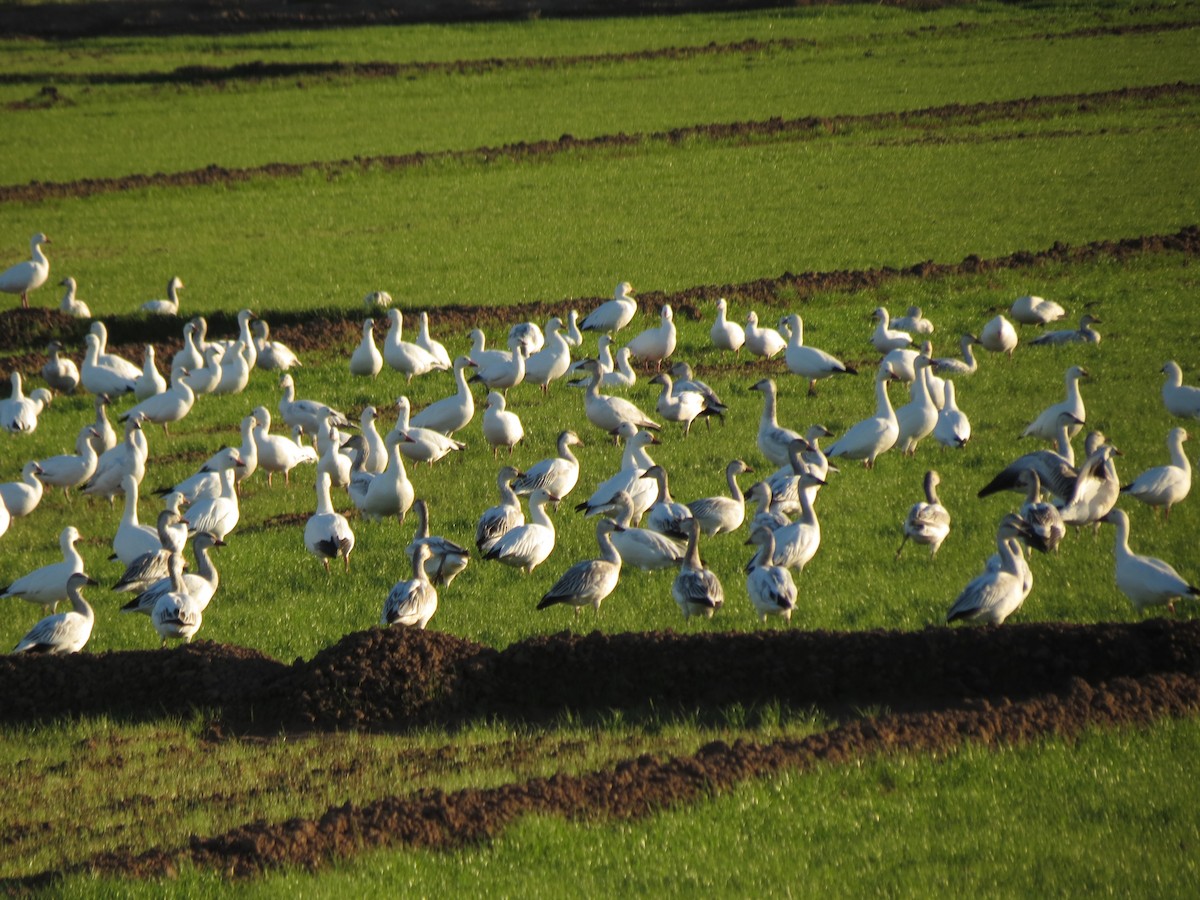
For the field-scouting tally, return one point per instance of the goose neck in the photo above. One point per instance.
(608, 552)
(539, 516)
(734, 490)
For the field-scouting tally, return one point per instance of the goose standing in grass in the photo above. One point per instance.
(217, 514)
(308, 414)
(1180, 400)
(390, 493)
(496, 521)
(1146, 581)
(272, 355)
(656, 344)
(113, 360)
(277, 453)
(724, 334)
(366, 360)
(676, 405)
(766, 514)
(501, 428)
(686, 381)
(1046, 528)
(913, 321)
(200, 586)
(334, 461)
(621, 375)
(612, 315)
(503, 373)
(771, 588)
(168, 307)
(5, 519)
(483, 357)
(527, 546)
(189, 356)
(696, 589)
(968, 365)
(423, 444)
(903, 362)
(927, 522)
(589, 582)
(804, 455)
(19, 413)
(151, 567)
(374, 452)
(798, 542)
(1055, 468)
(70, 304)
(552, 360)
(573, 335)
(327, 534)
(1031, 310)
(995, 594)
(170, 406)
(150, 382)
(1046, 425)
(127, 458)
(916, 419)
(953, 428)
(411, 603)
(608, 413)
(718, 515)
(634, 461)
(47, 585)
(205, 379)
(98, 378)
(132, 538)
(452, 413)
(998, 336)
(1165, 485)
(558, 475)
(28, 275)
(22, 497)
(773, 438)
(867, 439)
(809, 362)
(100, 432)
(246, 454)
(405, 356)
(60, 372)
(69, 470)
(640, 547)
(885, 338)
(176, 615)
(434, 348)
(1096, 489)
(762, 340)
(604, 364)
(65, 632)
(665, 515)
(1085, 334)
(445, 559)
(527, 335)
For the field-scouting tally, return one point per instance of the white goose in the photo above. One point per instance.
(434, 348)
(676, 405)
(366, 360)
(19, 413)
(481, 355)
(621, 375)
(696, 589)
(573, 335)
(612, 315)
(1180, 400)
(527, 546)
(168, 307)
(995, 594)
(334, 461)
(927, 522)
(70, 304)
(412, 603)
(588, 583)
(405, 356)
(635, 460)
(272, 355)
(640, 547)
(724, 334)
(809, 362)
(98, 378)
(28, 275)
(422, 444)
(374, 452)
(133, 538)
(497, 520)
(277, 453)
(558, 475)
(377, 300)
(686, 381)
(205, 379)
(69, 470)
(169, 406)
(552, 360)
(798, 542)
(656, 344)
(47, 585)
(189, 356)
(761, 340)
(1096, 489)
(527, 335)
(200, 586)
(1165, 485)
(913, 321)
(968, 365)
(766, 515)
(867, 439)
(100, 432)
(151, 567)
(389, 493)
(176, 615)
(608, 413)
(501, 427)
(218, 514)
(1146, 581)
(953, 428)
(718, 515)
(1085, 334)
(65, 632)
(445, 559)
(451, 413)
(113, 360)
(1031, 310)
(236, 364)
(1046, 425)
(804, 455)
(886, 338)
(22, 497)
(998, 336)
(771, 588)
(327, 534)
(665, 516)
(127, 458)
(247, 454)
(916, 419)
(773, 438)
(308, 414)
(60, 372)
(503, 373)
(150, 382)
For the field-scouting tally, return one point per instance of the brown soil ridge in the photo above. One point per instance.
(957, 113)
(642, 786)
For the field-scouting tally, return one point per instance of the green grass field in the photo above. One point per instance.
(667, 215)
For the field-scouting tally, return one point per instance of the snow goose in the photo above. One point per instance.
(481, 355)
(1031, 310)
(247, 453)
(113, 360)
(206, 482)
(334, 461)
(451, 413)
(168, 307)
(22, 497)
(65, 632)
(68, 470)
(217, 515)
(686, 381)
(903, 362)
(124, 459)
(621, 375)
(771, 588)
(634, 461)
(98, 378)
(19, 413)
(916, 419)
(766, 515)
(72, 305)
(423, 444)
(389, 493)
(998, 336)
(28, 275)
(612, 315)
(47, 585)
(953, 428)
(527, 335)
(558, 474)
(1046, 528)
(913, 322)
(100, 432)
(308, 414)
(589, 582)
(995, 594)
(573, 335)
(927, 522)
(366, 360)
(501, 428)
(1055, 468)
(60, 372)
(665, 515)
(763, 341)
(718, 515)
(1179, 399)
(189, 356)
(679, 406)
(169, 406)
(867, 439)
(150, 382)
(1085, 334)
(608, 413)
(885, 338)
(949, 365)
(151, 567)
(527, 546)
(405, 356)
(501, 374)
(1146, 581)
(377, 300)
(132, 538)
(5, 519)
(1045, 426)
(724, 334)
(497, 520)
(552, 360)
(374, 453)
(798, 542)
(1013, 526)
(445, 559)
(176, 615)
(200, 586)
(640, 547)
(327, 534)
(655, 344)
(411, 603)
(809, 362)
(604, 364)
(1163, 485)
(272, 355)
(1096, 489)
(205, 379)
(773, 438)
(235, 371)
(696, 589)
(434, 348)
(804, 455)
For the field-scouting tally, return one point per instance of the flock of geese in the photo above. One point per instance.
(638, 522)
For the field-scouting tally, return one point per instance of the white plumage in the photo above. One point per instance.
(867, 439)
(168, 307)
(1145, 580)
(953, 428)
(70, 304)
(809, 362)
(762, 340)
(1180, 400)
(655, 344)
(927, 522)
(1031, 310)
(1046, 425)
(327, 534)
(1165, 485)
(451, 413)
(589, 582)
(47, 585)
(28, 275)
(366, 360)
(612, 315)
(771, 588)
(501, 427)
(696, 588)
(724, 334)
(527, 546)
(411, 603)
(65, 632)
